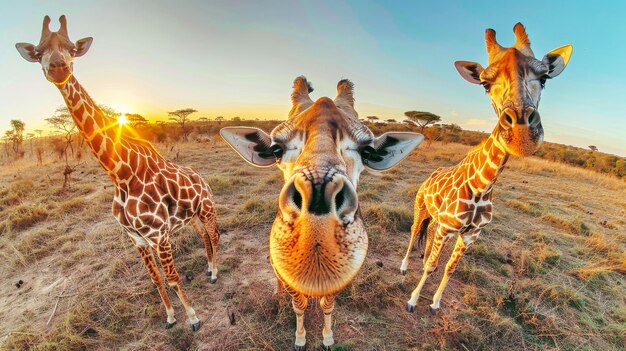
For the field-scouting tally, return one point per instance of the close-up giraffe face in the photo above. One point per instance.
(55, 52)
(321, 149)
(514, 80)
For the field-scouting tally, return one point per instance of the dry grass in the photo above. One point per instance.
(562, 228)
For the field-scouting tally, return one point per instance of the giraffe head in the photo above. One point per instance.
(55, 52)
(514, 80)
(318, 240)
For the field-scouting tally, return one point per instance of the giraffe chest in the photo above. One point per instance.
(461, 209)
(474, 213)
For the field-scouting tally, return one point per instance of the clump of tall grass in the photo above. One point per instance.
(22, 217)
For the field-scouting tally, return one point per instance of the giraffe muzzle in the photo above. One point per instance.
(511, 118)
(58, 72)
(331, 195)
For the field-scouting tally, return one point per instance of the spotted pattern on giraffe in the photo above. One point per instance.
(457, 201)
(153, 196)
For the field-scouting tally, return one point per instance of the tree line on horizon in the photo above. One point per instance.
(63, 141)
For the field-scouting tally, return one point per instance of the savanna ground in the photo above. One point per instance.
(547, 274)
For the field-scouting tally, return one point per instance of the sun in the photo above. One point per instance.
(122, 120)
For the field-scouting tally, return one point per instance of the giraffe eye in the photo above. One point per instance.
(367, 153)
(277, 151)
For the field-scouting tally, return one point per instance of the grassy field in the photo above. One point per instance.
(547, 274)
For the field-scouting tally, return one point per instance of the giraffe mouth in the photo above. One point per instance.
(317, 256)
(522, 140)
(59, 76)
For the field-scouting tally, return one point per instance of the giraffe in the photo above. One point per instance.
(458, 199)
(153, 196)
(318, 241)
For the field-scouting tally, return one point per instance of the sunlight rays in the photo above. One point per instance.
(124, 128)
(122, 120)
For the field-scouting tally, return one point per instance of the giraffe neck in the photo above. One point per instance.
(102, 134)
(486, 163)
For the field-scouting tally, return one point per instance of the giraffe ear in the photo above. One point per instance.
(389, 149)
(557, 59)
(470, 71)
(27, 51)
(82, 46)
(252, 144)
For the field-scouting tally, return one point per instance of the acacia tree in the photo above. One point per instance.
(136, 120)
(372, 119)
(422, 119)
(109, 111)
(180, 117)
(63, 123)
(16, 135)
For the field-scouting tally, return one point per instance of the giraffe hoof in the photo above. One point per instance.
(213, 280)
(326, 347)
(299, 347)
(403, 271)
(169, 325)
(195, 326)
(433, 311)
(410, 308)
(209, 274)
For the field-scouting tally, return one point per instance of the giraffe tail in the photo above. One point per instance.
(423, 231)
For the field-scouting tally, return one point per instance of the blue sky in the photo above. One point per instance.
(239, 58)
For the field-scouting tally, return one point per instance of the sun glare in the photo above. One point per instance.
(122, 120)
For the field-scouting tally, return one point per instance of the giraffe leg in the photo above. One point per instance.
(405, 261)
(299, 303)
(459, 248)
(148, 260)
(280, 288)
(164, 250)
(209, 219)
(422, 219)
(206, 226)
(440, 239)
(327, 303)
(430, 236)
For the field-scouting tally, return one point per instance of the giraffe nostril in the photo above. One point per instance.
(296, 197)
(58, 65)
(507, 118)
(340, 198)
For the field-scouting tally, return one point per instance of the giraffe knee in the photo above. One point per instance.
(327, 304)
(299, 303)
(156, 278)
(173, 279)
(450, 268)
(429, 268)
